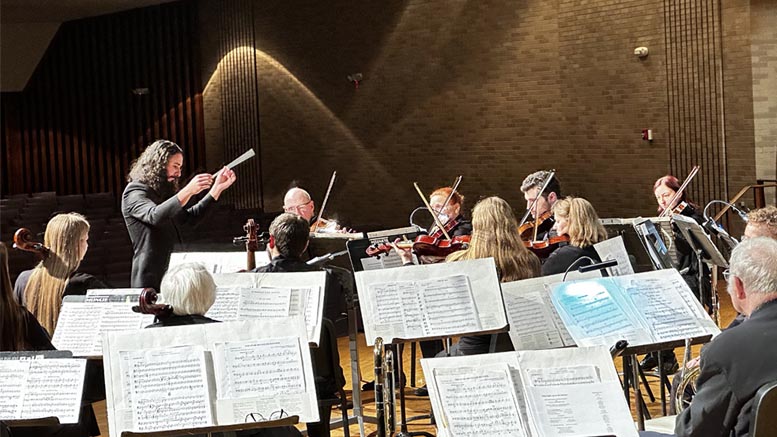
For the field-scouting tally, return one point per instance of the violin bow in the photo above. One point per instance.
(455, 186)
(326, 199)
(534, 202)
(429, 208)
(680, 190)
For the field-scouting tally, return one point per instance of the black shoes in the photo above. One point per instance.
(650, 362)
(370, 385)
(421, 391)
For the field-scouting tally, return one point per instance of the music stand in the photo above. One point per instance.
(286, 421)
(357, 251)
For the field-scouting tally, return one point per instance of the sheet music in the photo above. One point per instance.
(479, 401)
(169, 388)
(262, 303)
(81, 324)
(385, 261)
(426, 308)
(226, 306)
(436, 300)
(306, 297)
(234, 303)
(567, 392)
(592, 314)
(274, 364)
(644, 308)
(614, 249)
(534, 321)
(32, 389)
(193, 345)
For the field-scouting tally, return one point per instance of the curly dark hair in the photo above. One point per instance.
(151, 166)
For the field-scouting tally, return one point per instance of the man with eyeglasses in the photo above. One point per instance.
(738, 361)
(297, 201)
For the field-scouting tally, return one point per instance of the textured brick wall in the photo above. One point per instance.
(763, 16)
(492, 90)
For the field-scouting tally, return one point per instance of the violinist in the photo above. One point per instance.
(298, 201)
(543, 203)
(664, 190)
(450, 215)
(153, 207)
(493, 236)
(577, 219)
(41, 289)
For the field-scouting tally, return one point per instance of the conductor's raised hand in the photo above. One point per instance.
(195, 186)
(222, 180)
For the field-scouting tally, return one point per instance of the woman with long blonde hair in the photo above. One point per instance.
(41, 289)
(495, 235)
(577, 219)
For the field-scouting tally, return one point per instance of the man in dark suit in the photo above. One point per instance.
(153, 207)
(738, 361)
(289, 236)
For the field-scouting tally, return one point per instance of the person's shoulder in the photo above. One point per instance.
(79, 283)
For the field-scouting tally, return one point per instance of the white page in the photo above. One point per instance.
(667, 305)
(479, 401)
(384, 261)
(575, 392)
(13, 386)
(262, 303)
(207, 335)
(594, 314)
(614, 248)
(80, 325)
(483, 283)
(307, 294)
(225, 308)
(275, 364)
(534, 321)
(34, 389)
(169, 389)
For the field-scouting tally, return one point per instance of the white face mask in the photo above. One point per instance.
(443, 217)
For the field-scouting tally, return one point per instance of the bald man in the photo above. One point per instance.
(297, 201)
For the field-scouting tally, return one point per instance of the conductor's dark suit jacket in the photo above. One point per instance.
(153, 223)
(733, 367)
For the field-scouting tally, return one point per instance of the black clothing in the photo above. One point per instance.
(35, 336)
(733, 367)
(152, 223)
(464, 227)
(563, 257)
(76, 286)
(326, 383)
(687, 259)
(174, 320)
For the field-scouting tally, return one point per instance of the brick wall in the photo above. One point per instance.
(763, 22)
(492, 90)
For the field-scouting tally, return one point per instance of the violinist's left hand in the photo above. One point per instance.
(405, 254)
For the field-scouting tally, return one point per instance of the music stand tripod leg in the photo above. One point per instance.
(403, 431)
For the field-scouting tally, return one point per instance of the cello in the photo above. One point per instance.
(22, 240)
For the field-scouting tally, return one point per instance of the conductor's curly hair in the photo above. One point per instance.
(150, 167)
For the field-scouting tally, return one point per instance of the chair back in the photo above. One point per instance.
(764, 422)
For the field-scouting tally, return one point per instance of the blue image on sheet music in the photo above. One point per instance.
(595, 314)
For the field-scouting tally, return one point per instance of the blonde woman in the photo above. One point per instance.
(41, 289)
(577, 219)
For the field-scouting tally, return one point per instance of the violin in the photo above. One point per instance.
(323, 225)
(530, 229)
(147, 305)
(424, 245)
(543, 248)
(22, 240)
(679, 193)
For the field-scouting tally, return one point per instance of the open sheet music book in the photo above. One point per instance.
(209, 374)
(645, 308)
(219, 262)
(558, 392)
(428, 301)
(81, 324)
(38, 388)
(262, 296)
(534, 321)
